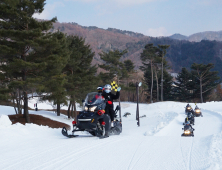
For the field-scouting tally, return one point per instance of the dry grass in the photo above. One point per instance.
(39, 120)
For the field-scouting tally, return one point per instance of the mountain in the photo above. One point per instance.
(197, 37)
(178, 37)
(182, 52)
(208, 35)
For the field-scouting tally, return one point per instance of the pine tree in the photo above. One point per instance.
(129, 66)
(130, 69)
(19, 44)
(168, 88)
(184, 85)
(81, 76)
(55, 54)
(113, 66)
(207, 79)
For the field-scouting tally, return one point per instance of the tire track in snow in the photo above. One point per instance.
(134, 154)
(79, 157)
(64, 158)
(182, 153)
(155, 155)
(23, 158)
(154, 143)
(191, 148)
(32, 155)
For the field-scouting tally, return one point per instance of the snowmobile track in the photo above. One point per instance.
(182, 153)
(191, 148)
(62, 160)
(134, 154)
(24, 158)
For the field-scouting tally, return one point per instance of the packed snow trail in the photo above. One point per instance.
(39, 147)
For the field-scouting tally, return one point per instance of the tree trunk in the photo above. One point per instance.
(162, 80)
(68, 112)
(72, 115)
(26, 112)
(19, 102)
(74, 104)
(58, 109)
(157, 87)
(151, 90)
(201, 91)
(14, 105)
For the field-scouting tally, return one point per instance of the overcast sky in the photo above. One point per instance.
(149, 17)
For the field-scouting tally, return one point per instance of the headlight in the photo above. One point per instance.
(86, 108)
(92, 109)
(188, 108)
(187, 132)
(197, 111)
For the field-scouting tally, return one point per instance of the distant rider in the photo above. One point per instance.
(100, 91)
(110, 97)
(188, 125)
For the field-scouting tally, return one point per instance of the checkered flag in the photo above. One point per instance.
(114, 86)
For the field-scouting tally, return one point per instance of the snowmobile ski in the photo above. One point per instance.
(64, 132)
(103, 137)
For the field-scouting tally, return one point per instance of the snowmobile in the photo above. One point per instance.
(188, 108)
(197, 112)
(188, 131)
(93, 118)
(190, 117)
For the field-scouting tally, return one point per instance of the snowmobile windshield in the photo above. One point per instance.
(187, 127)
(94, 98)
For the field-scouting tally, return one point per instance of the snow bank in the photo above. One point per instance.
(164, 120)
(5, 121)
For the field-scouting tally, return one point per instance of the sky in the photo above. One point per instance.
(149, 17)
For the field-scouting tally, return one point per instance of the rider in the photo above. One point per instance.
(100, 89)
(110, 97)
(187, 125)
(99, 94)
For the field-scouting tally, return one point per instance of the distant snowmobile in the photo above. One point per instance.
(188, 108)
(93, 118)
(188, 130)
(190, 117)
(197, 112)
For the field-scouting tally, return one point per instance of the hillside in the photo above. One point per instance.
(178, 37)
(182, 53)
(197, 37)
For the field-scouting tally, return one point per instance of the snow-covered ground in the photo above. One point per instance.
(156, 145)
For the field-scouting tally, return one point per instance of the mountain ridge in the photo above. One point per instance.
(182, 53)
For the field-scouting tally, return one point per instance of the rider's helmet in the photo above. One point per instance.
(107, 88)
(188, 123)
(100, 89)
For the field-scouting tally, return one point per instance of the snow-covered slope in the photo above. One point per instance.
(156, 145)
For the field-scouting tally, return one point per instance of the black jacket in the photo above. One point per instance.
(110, 97)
